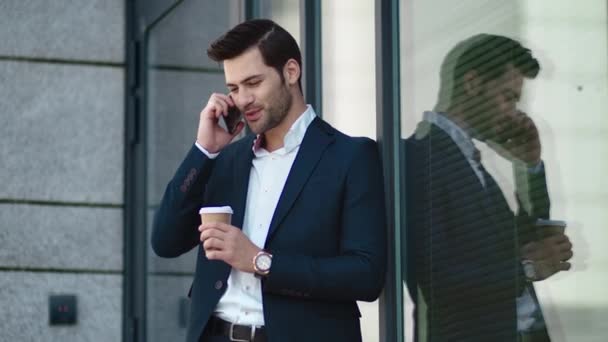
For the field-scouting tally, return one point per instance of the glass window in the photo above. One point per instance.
(349, 92)
(285, 13)
(503, 123)
(180, 79)
(349, 88)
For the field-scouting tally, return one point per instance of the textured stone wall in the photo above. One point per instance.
(61, 166)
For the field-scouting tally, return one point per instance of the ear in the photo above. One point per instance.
(291, 72)
(472, 83)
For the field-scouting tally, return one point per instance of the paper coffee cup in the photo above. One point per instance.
(551, 227)
(216, 214)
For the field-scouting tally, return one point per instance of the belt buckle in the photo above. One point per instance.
(234, 339)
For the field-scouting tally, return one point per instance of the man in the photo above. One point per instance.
(473, 259)
(307, 238)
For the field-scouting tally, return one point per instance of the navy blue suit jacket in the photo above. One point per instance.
(463, 242)
(327, 235)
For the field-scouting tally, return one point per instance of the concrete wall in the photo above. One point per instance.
(61, 166)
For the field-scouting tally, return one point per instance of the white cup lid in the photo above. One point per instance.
(216, 210)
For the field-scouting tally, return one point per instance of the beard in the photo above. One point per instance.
(483, 117)
(276, 111)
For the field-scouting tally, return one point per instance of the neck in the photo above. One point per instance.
(274, 138)
(460, 117)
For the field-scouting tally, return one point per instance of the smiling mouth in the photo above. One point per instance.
(253, 114)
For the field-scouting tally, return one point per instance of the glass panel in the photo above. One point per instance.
(349, 98)
(349, 75)
(285, 13)
(510, 136)
(180, 80)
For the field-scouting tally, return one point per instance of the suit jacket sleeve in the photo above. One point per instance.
(174, 231)
(358, 271)
(533, 199)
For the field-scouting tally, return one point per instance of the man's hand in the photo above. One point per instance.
(517, 139)
(228, 243)
(549, 255)
(210, 135)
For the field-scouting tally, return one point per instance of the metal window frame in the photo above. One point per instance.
(388, 123)
(311, 41)
(141, 16)
(134, 285)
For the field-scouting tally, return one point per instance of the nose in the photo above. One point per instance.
(243, 99)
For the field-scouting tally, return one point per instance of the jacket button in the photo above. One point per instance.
(218, 284)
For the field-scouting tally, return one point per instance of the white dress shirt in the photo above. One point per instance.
(460, 137)
(242, 301)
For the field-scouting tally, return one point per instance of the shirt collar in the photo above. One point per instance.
(459, 135)
(294, 136)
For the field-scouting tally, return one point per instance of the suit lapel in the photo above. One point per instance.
(242, 168)
(314, 144)
(483, 196)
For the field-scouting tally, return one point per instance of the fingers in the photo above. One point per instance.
(216, 225)
(220, 104)
(213, 241)
(211, 233)
(211, 244)
(238, 129)
(215, 255)
(565, 255)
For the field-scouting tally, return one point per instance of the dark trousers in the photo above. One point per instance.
(537, 336)
(207, 337)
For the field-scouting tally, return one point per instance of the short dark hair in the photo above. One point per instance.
(488, 55)
(276, 45)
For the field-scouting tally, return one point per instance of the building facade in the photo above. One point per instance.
(99, 101)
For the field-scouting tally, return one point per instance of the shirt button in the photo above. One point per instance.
(218, 284)
(247, 288)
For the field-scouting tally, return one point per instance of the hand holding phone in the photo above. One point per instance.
(211, 135)
(231, 121)
(516, 138)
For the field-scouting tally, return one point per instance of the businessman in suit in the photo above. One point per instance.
(307, 237)
(473, 261)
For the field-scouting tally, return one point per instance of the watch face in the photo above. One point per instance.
(263, 262)
(529, 270)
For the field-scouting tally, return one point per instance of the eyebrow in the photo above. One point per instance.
(244, 81)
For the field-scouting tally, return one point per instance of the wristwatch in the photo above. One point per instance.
(261, 263)
(529, 269)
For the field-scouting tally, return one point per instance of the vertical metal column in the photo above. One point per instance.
(252, 9)
(388, 135)
(134, 278)
(312, 53)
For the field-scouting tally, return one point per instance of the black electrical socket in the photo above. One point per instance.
(62, 310)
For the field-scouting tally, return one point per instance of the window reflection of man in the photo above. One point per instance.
(472, 257)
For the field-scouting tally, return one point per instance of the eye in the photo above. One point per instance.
(233, 90)
(254, 83)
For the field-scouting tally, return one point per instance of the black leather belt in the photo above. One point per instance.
(235, 332)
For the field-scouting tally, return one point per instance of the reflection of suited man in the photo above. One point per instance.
(464, 239)
(308, 198)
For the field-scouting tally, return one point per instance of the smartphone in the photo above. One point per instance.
(230, 121)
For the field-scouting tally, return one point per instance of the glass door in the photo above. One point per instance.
(179, 80)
